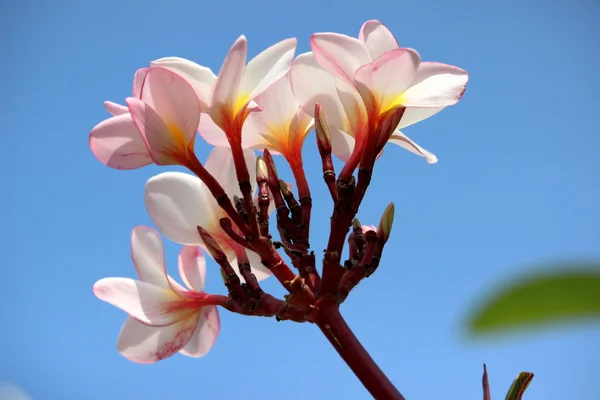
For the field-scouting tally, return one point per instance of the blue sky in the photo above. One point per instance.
(517, 184)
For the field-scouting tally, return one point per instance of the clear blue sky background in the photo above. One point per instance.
(517, 183)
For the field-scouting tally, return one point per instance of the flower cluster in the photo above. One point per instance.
(356, 92)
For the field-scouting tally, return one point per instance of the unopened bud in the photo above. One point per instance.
(322, 130)
(385, 225)
(211, 244)
(272, 175)
(262, 172)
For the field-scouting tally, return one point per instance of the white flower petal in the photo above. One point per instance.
(192, 267)
(148, 344)
(206, 333)
(177, 205)
(377, 38)
(199, 77)
(147, 303)
(267, 67)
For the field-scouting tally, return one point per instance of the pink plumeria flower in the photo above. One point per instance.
(178, 203)
(229, 98)
(164, 317)
(359, 80)
(116, 141)
(158, 127)
(282, 126)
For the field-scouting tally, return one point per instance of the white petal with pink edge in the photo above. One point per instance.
(436, 85)
(342, 144)
(206, 333)
(199, 77)
(389, 76)
(192, 267)
(174, 100)
(117, 143)
(164, 145)
(312, 84)
(176, 205)
(147, 303)
(400, 139)
(339, 54)
(412, 115)
(377, 38)
(148, 344)
(115, 109)
(211, 132)
(267, 67)
(147, 254)
(138, 82)
(226, 87)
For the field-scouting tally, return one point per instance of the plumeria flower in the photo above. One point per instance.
(178, 203)
(229, 97)
(164, 317)
(158, 126)
(116, 141)
(357, 81)
(282, 126)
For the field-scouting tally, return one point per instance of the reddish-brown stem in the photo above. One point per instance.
(272, 260)
(303, 191)
(218, 193)
(227, 227)
(343, 214)
(243, 176)
(352, 277)
(486, 385)
(364, 179)
(335, 329)
(263, 204)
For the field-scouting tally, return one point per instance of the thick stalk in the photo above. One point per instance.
(339, 334)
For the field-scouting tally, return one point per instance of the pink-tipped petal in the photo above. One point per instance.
(312, 84)
(267, 67)
(192, 267)
(339, 54)
(148, 256)
(436, 85)
(148, 344)
(377, 38)
(226, 88)
(199, 77)
(342, 144)
(412, 115)
(165, 147)
(115, 109)
(206, 333)
(147, 303)
(211, 132)
(400, 139)
(138, 82)
(117, 143)
(175, 101)
(389, 76)
(176, 204)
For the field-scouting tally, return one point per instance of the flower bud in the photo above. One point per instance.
(385, 225)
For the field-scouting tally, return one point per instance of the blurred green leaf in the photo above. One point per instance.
(519, 385)
(548, 297)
